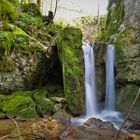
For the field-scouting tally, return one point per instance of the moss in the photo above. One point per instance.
(126, 54)
(19, 106)
(70, 53)
(126, 98)
(43, 105)
(16, 41)
(31, 9)
(114, 20)
(40, 97)
(8, 11)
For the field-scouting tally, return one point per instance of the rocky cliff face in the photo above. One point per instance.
(123, 30)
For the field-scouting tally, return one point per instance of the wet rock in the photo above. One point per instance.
(100, 51)
(62, 116)
(98, 124)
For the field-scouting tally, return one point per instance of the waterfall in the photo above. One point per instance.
(109, 113)
(110, 91)
(90, 85)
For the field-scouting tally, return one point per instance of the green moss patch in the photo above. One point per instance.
(26, 104)
(19, 106)
(114, 20)
(8, 11)
(70, 53)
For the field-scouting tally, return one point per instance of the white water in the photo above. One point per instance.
(110, 88)
(109, 113)
(90, 86)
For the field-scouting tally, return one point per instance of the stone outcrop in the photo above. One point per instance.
(123, 30)
(70, 53)
(25, 63)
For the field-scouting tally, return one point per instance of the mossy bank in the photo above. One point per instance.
(35, 54)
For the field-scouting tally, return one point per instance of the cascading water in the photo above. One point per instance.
(110, 89)
(109, 113)
(90, 86)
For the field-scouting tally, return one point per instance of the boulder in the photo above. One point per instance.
(22, 66)
(98, 124)
(62, 116)
(19, 106)
(70, 53)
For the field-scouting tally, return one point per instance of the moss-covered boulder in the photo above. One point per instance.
(19, 106)
(44, 106)
(22, 60)
(27, 104)
(70, 53)
(125, 98)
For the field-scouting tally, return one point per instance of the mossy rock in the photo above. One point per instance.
(22, 60)
(125, 98)
(70, 53)
(44, 105)
(114, 20)
(19, 106)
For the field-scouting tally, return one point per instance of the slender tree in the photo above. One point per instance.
(39, 3)
(98, 17)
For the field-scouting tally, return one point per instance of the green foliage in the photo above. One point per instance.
(20, 106)
(85, 21)
(8, 11)
(15, 2)
(29, 23)
(113, 22)
(31, 9)
(11, 38)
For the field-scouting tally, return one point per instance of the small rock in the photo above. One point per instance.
(94, 123)
(62, 116)
(132, 137)
(52, 124)
(58, 99)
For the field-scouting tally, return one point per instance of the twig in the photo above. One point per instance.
(17, 128)
(130, 110)
(14, 136)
